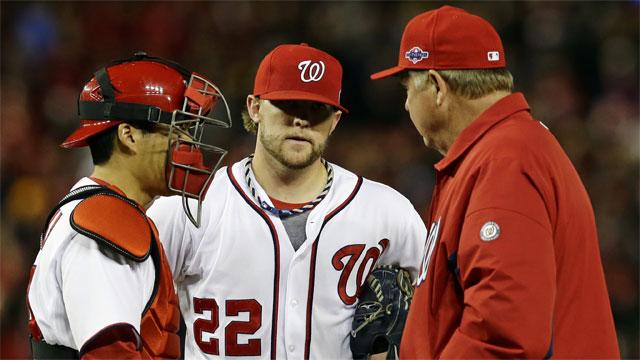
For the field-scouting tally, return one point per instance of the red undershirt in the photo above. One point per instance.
(285, 205)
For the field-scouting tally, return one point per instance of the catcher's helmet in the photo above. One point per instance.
(155, 90)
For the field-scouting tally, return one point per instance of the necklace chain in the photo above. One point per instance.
(282, 213)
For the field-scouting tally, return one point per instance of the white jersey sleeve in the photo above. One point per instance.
(171, 222)
(100, 288)
(180, 238)
(406, 228)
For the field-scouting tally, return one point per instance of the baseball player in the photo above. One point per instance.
(511, 267)
(287, 238)
(101, 286)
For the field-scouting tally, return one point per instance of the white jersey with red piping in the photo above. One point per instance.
(245, 292)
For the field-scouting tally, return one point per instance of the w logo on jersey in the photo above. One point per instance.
(311, 71)
(352, 253)
(429, 246)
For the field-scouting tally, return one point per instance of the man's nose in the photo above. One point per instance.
(298, 121)
(406, 104)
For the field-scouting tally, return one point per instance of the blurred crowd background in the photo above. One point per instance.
(576, 62)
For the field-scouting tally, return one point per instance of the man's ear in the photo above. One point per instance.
(253, 108)
(127, 137)
(336, 120)
(442, 89)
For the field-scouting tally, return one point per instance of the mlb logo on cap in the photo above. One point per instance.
(493, 56)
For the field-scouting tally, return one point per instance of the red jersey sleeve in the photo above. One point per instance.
(505, 267)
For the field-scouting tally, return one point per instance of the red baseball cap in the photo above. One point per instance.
(299, 72)
(447, 38)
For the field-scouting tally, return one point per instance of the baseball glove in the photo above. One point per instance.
(381, 313)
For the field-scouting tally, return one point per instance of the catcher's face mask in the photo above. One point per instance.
(152, 89)
(192, 161)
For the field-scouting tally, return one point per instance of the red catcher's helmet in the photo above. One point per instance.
(145, 89)
(109, 98)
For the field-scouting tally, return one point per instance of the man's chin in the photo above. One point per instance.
(432, 145)
(298, 160)
(298, 165)
(165, 192)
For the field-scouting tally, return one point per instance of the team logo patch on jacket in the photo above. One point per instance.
(489, 231)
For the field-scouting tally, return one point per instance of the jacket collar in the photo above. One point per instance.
(499, 111)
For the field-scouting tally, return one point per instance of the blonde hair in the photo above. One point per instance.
(248, 123)
(470, 84)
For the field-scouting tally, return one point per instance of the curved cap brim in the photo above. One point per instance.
(79, 137)
(386, 73)
(300, 95)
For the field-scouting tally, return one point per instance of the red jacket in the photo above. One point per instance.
(512, 265)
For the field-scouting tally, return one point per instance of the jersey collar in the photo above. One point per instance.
(108, 185)
(499, 111)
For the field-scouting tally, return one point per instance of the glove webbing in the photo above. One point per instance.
(377, 288)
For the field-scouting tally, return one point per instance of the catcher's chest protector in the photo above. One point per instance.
(160, 320)
(131, 234)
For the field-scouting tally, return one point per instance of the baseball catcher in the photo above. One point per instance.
(381, 313)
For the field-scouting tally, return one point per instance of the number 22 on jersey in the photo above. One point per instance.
(232, 330)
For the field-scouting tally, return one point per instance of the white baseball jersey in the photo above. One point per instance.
(245, 292)
(77, 289)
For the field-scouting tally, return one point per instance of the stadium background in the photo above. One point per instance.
(577, 63)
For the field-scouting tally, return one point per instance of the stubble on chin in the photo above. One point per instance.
(289, 158)
(297, 160)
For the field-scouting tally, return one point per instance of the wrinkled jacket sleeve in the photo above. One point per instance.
(506, 274)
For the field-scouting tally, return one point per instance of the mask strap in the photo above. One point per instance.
(105, 85)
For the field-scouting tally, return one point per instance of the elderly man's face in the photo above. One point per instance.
(421, 105)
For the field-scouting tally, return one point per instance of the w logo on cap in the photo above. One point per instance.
(311, 71)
